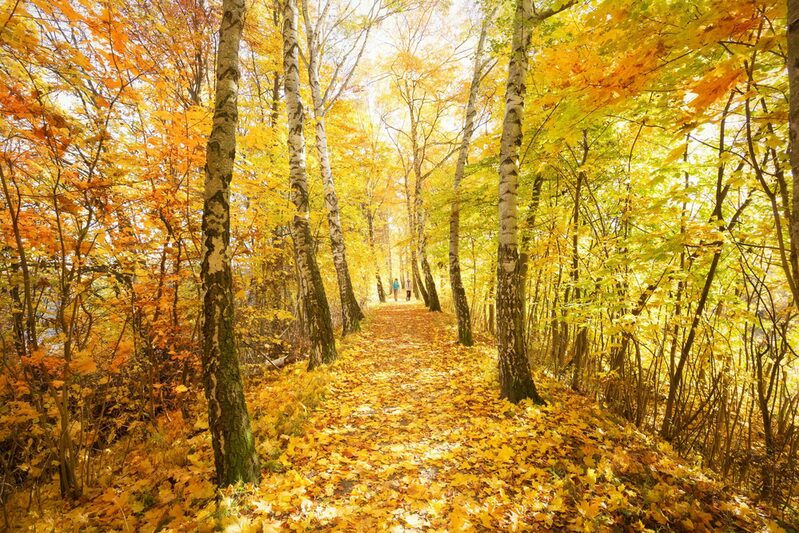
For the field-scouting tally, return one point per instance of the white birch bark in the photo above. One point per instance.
(228, 420)
(458, 292)
(312, 291)
(350, 310)
(516, 382)
(318, 33)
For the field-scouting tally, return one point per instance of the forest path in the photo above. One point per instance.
(406, 425)
(413, 436)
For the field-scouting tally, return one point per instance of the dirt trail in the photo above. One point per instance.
(404, 420)
(413, 435)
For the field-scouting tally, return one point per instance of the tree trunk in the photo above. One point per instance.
(350, 310)
(491, 320)
(418, 284)
(581, 332)
(312, 290)
(427, 285)
(28, 336)
(416, 279)
(228, 420)
(432, 295)
(532, 211)
(793, 123)
(370, 226)
(669, 429)
(401, 269)
(458, 292)
(389, 258)
(381, 292)
(516, 382)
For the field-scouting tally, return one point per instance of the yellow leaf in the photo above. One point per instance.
(504, 454)
(459, 519)
(417, 491)
(675, 154)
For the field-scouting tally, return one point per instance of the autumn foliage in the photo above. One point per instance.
(654, 282)
(417, 442)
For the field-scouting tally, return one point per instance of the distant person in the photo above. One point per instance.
(408, 291)
(395, 288)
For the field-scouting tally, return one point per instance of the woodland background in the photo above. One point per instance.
(656, 211)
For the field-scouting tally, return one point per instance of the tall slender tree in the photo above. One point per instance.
(416, 283)
(516, 382)
(419, 215)
(318, 32)
(312, 290)
(458, 292)
(793, 133)
(228, 420)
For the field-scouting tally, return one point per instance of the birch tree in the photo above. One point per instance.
(321, 26)
(312, 290)
(228, 420)
(516, 382)
(458, 292)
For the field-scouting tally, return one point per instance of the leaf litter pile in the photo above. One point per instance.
(405, 432)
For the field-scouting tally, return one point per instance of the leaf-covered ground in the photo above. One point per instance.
(406, 432)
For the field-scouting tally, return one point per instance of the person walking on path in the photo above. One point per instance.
(395, 288)
(408, 291)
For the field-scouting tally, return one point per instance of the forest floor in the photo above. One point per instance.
(406, 432)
